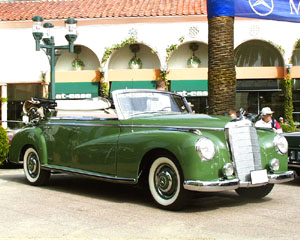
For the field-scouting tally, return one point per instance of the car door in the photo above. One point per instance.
(95, 145)
(59, 138)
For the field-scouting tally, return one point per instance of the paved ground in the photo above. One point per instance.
(79, 208)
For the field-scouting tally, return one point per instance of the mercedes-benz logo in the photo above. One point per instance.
(262, 7)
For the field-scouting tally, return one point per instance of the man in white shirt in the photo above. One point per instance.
(267, 121)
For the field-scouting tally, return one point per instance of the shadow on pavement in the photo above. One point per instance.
(121, 193)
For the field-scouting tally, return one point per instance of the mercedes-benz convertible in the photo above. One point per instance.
(152, 138)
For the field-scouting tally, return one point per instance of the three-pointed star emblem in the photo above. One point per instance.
(261, 2)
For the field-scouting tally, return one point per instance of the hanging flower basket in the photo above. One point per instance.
(77, 64)
(135, 63)
(193, 62)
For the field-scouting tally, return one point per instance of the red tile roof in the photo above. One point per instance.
(61, 9)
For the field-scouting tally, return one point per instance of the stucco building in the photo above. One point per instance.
(168, 34)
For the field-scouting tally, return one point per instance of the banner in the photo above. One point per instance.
(280, 10)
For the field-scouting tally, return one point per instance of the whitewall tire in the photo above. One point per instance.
(165, 184)
(32, 168)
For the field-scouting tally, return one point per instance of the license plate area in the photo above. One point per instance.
(259, 176)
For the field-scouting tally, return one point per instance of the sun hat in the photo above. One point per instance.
(266, 110)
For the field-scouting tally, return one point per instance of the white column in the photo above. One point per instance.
(4, 106)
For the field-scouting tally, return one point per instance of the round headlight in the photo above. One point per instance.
(228, 169)
(281, 144)
(205, 148)
(274, 164)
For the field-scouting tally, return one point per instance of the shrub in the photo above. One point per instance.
(288, 128)
(3, 145)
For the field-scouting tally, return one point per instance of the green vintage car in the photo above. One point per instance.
(152, 138)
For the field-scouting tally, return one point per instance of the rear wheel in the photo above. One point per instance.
(255, 192)
(166, 184)
(32, 168)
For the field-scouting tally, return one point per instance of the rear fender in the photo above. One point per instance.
(29, 137)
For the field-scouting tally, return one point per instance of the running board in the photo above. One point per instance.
(89, 174)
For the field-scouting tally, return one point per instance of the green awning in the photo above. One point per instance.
(115, 85)
(190, 88)
(76, 90)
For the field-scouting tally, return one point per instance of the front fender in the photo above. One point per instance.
(32, 136)
(134, 145)
(268, 151)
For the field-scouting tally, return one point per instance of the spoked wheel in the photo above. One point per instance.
(255, 192)
(166, 184)
(32, 168)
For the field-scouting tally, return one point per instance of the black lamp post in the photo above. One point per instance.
(42, 31)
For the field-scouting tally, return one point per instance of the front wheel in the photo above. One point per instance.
(255, 192)
(32, 168)
(166, 184)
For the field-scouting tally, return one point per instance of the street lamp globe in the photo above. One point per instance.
(71, 26)
(37, 26)
(47, 28)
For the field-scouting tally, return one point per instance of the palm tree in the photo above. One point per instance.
(221, 67)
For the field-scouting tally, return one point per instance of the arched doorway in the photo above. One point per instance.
(133, 66)
(188, 73)
(260, 71)
(77, 74)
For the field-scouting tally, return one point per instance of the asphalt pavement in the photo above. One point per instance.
(73, 207)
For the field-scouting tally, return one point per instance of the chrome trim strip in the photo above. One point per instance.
(171, 128)
(73, 124)
(211, 186)
(89, 174)
(294, 165)
(281, 177)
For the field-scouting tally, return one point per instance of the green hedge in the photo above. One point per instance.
(288, 104)
(3, 145)
(288, 128)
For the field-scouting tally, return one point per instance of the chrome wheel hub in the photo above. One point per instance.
(32, 165)
(165, 181)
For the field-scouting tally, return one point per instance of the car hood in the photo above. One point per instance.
(180, 120)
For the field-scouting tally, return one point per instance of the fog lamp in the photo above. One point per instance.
(274, 164)
(228, 169)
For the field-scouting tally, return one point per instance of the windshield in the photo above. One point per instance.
(145, 102)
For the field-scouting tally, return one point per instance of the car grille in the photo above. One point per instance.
(294, 156)
(244, 147)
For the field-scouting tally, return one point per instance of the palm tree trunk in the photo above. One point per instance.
(221, 67)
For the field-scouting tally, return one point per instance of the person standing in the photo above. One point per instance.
(161, 85)
(267, 120)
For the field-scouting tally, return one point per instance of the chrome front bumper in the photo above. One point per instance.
(281, 178)
(224, 185)
(211, 186)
